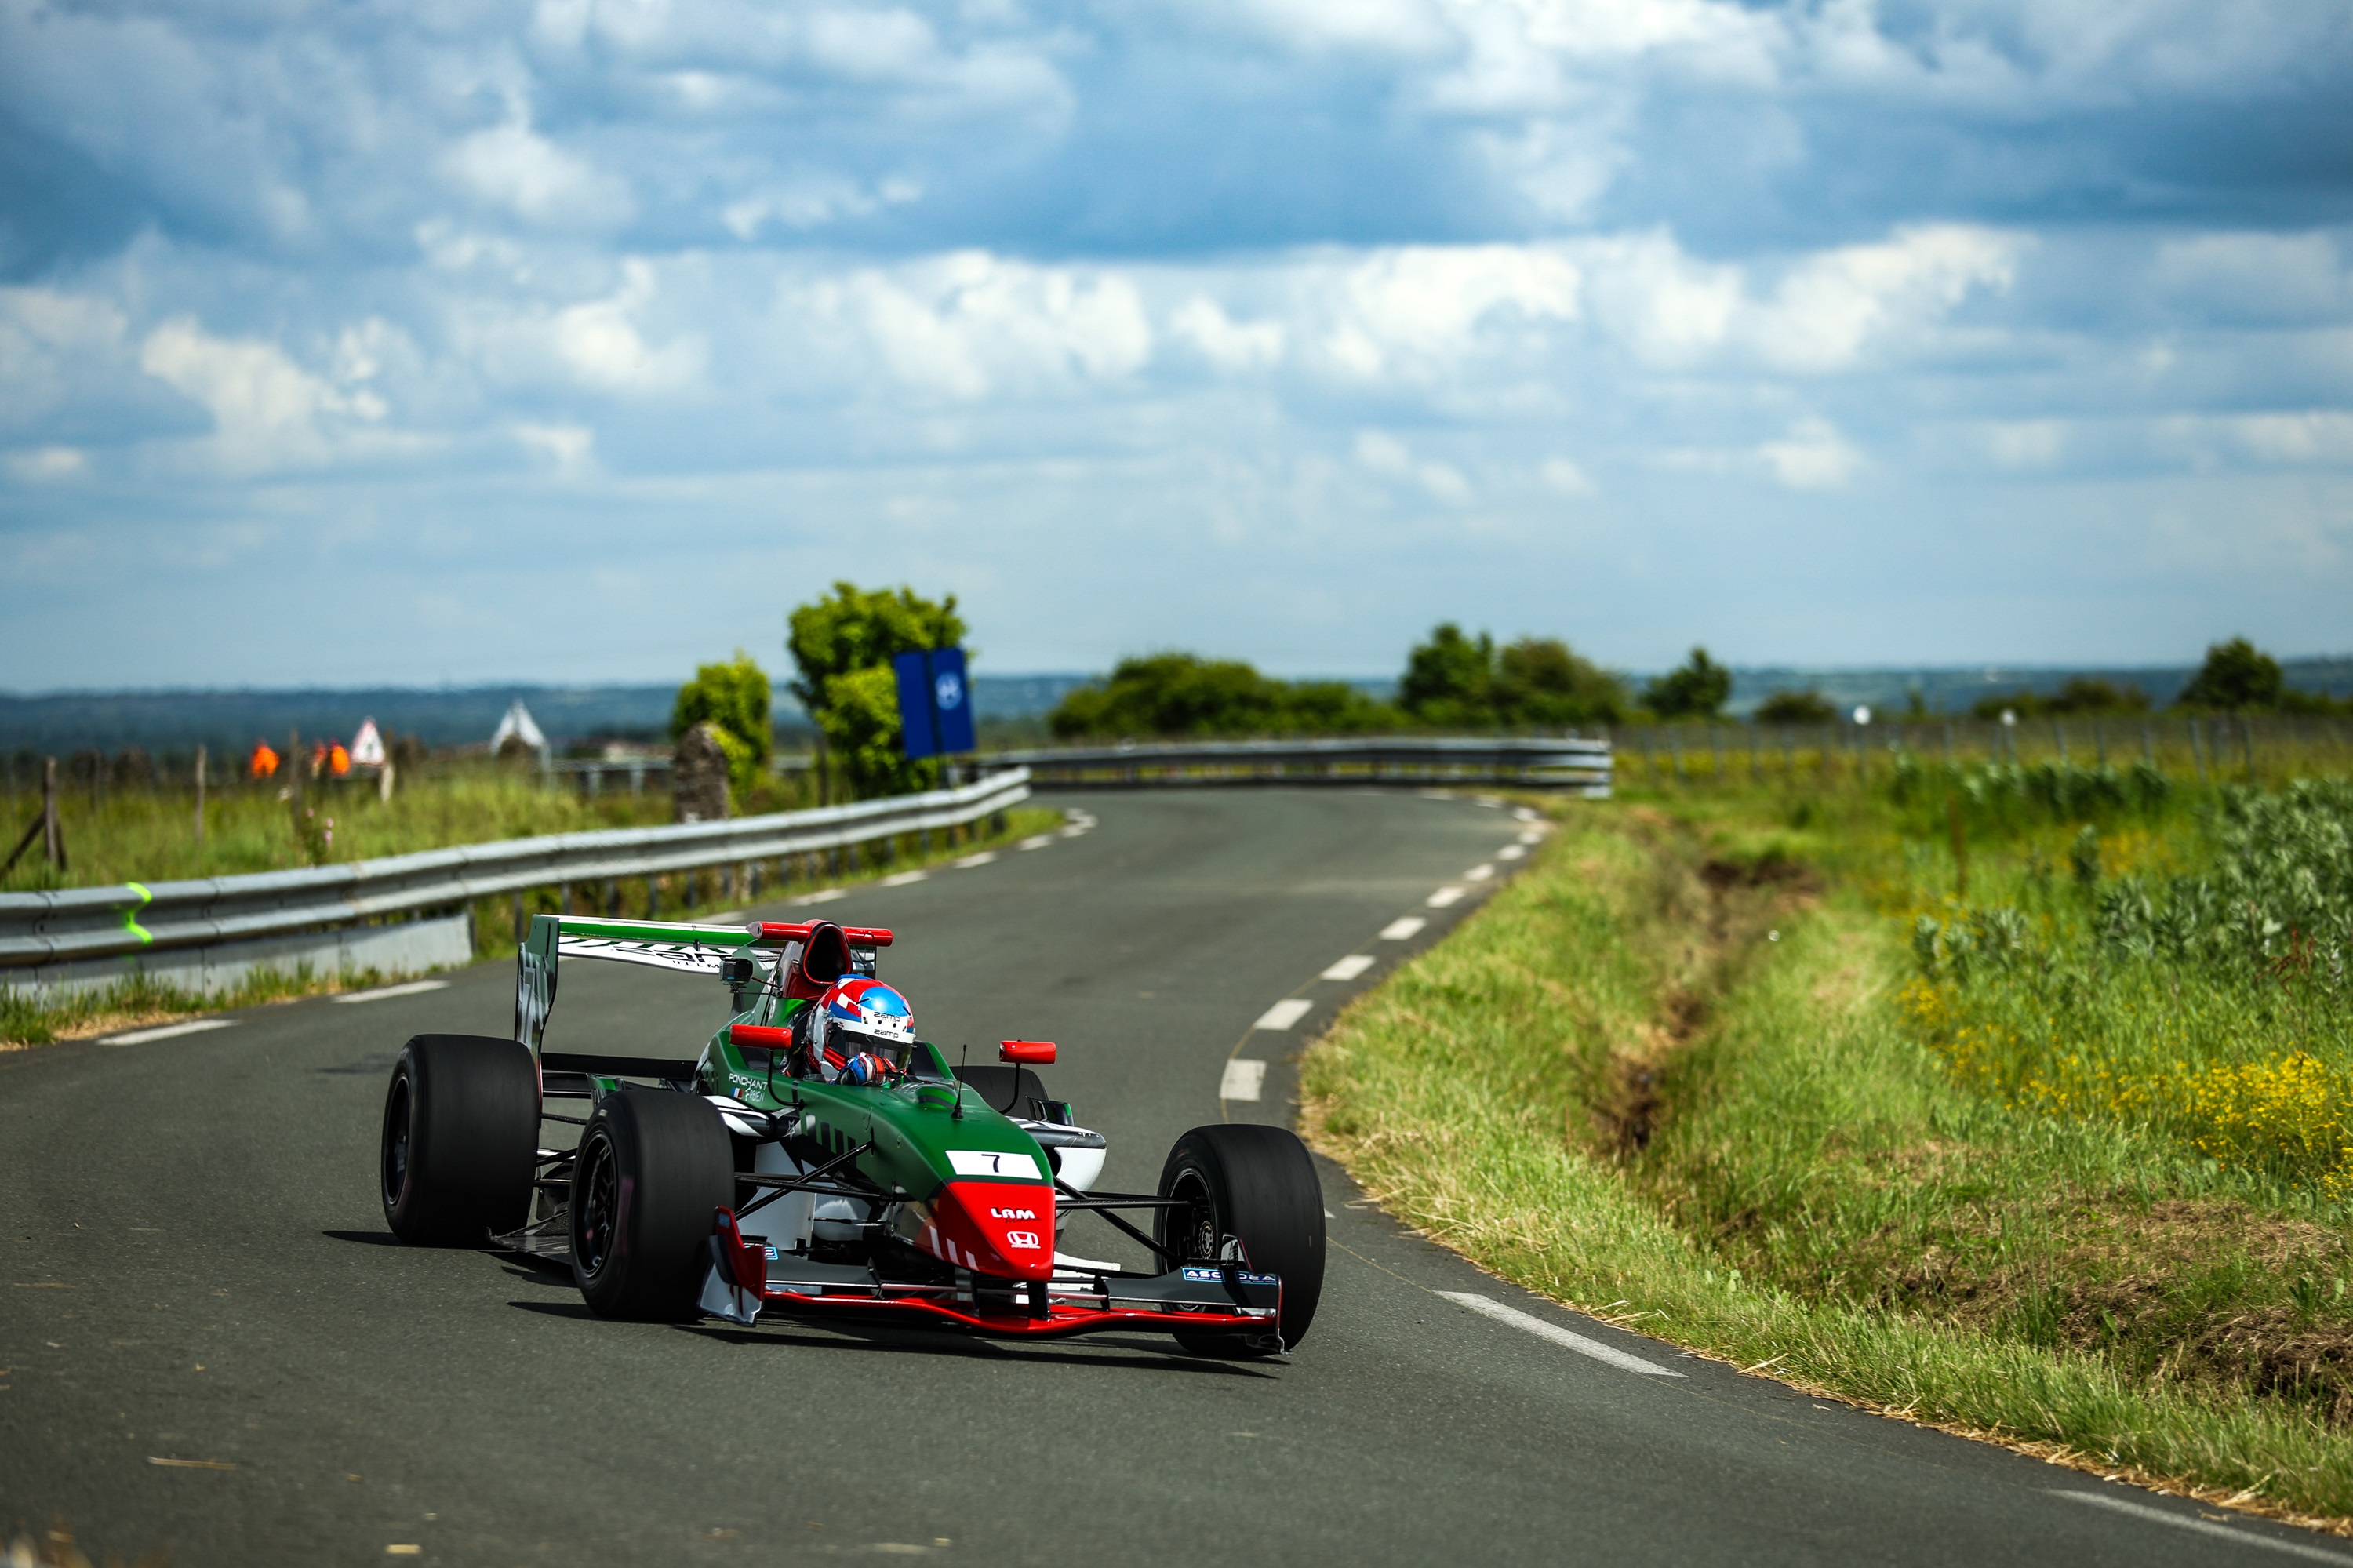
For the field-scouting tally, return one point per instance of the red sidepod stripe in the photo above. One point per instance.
(1000, 1228)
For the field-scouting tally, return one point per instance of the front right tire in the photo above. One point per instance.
(652, 1167)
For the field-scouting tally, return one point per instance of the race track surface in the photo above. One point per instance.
(198, 1271)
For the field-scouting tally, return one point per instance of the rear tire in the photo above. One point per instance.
(460, 1139)
(1256, 1182)
(651, 1168)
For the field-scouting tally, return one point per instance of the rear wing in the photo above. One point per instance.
(660, 944)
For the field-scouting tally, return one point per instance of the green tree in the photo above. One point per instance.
(1808, 706)
(842, 645)
(734, 697)
(1539, 681)
(1698, 689)
(1451, 679)
(2237, 676)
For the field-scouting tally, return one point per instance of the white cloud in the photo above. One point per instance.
(47, 465)
(1380, 452)
(1417, 310)
(512, 166)
(1832, 308)
(970, 325)
(1225, 343)
(1565, 478)
(267, 411)
(1813, 456)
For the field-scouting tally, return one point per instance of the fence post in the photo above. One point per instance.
(2247, 740)
(200, 797)
(2100, 742)
(2197, 759)
(2148, 743)
(53, 834)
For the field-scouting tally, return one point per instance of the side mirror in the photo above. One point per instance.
(1029, 1053)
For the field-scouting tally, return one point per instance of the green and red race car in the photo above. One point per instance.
(816, 1159)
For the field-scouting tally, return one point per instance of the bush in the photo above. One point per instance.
(1808, 706)
(1699, 689)
(1185, 694)
(734, 699)
(1455, 681)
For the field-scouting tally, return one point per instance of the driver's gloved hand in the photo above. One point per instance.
(865, 1068)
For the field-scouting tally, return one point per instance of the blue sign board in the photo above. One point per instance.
(935, 703)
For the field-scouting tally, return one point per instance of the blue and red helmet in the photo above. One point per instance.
(859, 1016)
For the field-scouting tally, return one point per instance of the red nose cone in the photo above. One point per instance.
(1002, 1228)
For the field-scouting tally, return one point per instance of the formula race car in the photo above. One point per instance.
(819, 1158)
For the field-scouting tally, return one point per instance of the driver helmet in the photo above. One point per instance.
(861, 1029)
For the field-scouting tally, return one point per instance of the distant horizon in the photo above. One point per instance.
(1988, 672)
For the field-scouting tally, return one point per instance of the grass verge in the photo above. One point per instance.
(1666, 1077)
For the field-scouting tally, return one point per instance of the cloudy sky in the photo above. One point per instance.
(412, 341)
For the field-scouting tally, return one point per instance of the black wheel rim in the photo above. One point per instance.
(1194, 1231)
(598, 1205)
(395, 1143)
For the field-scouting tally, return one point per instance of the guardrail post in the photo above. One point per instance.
(519, 931)
(654, 898)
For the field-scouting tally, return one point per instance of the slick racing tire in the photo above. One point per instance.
(461, 1136)
(1257, 1184)
(652, 1167)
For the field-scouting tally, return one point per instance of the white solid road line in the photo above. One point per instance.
(1558, 1335)
(1349, 967)
(413, 988)
(2204, 1527)
(901, 879)
(984, 857)
(1036, 841)
(141, 1036)
(1404, 929)
(1244, 1080)
(1285, 1013)
(1479, 873)
(1442, 897)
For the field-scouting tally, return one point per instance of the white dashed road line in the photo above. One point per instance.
(1559, 1335)
(1404, 929)
(984, 858)
(1349, 967)
(1244, 1080)
(141, 1036)
(1443, 896)
(1036, 841)
(413, 988)
(1511, 851)
(823, 896)
(901, 879)
(1285, 1013)
(1479, 873)
(2204, 1527)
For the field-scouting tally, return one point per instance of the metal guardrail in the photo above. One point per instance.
(1578, 765)
(84, 923)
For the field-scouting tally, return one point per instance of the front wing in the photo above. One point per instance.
(741, 1281)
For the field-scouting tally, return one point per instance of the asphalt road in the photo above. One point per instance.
(198, 1271)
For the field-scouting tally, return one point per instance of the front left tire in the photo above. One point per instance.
(652, 1169)
(460, 1140)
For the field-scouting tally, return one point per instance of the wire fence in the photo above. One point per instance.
(2259, 749)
